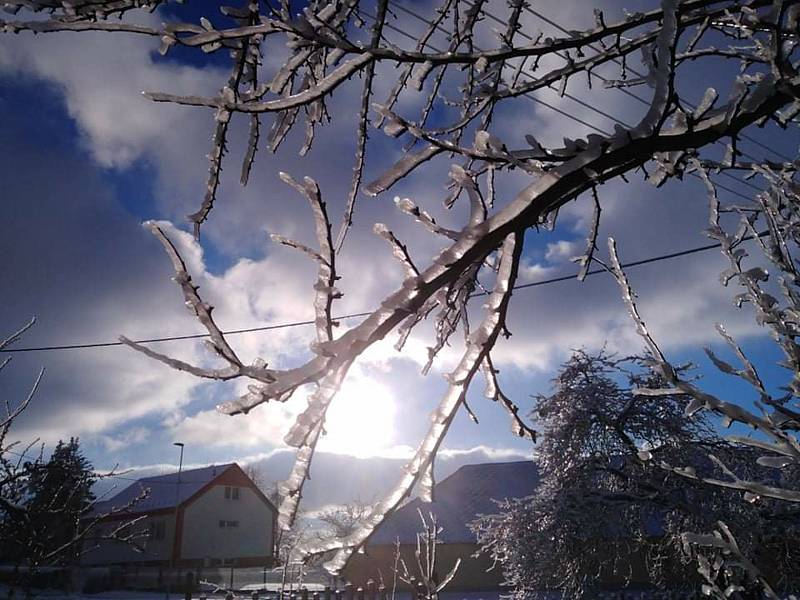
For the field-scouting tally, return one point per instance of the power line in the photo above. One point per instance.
(192, 336)
(560, 111)
(636, 263)
(564, 30)
(522, 286)
(575, 99)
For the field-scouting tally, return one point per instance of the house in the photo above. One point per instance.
(459, 499)
(211, 516)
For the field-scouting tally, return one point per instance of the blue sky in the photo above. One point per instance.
(86, 159)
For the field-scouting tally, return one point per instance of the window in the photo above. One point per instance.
(228, 524)
(231, 493)
(157, 530)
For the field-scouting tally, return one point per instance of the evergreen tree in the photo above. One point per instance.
(59, 492)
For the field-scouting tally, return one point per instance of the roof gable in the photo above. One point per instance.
(459, 499)
(165, 492)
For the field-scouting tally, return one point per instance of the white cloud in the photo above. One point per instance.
(101, 76)
(562, 250)
(491, 453)
(265, 425)
(531, 271)
(119, 442)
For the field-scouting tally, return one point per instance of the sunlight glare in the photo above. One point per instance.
(360, 421)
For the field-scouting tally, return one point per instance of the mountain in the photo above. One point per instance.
(338, 478)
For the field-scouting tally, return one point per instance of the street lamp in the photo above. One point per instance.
(175, 530)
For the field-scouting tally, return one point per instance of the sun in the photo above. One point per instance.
(360, 421)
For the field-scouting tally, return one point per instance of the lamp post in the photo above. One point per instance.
(175, 530)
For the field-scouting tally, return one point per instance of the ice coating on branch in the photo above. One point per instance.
(319, 50)
(775, 462)
(304, 434)
(408, 206)
(325, 289)
(426, 484)
(660, 72)
(707, 103)
(399, 250)
(419, 75)
(400, 169)
(393, 127)
(488, 143)
(492, 391)
(478, 345)
(466, 181)
(290, 490)
(306, 96)
(585, 260)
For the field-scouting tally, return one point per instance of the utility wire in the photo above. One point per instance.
(522, 286)
(638, 74)
(631, 94)
(549, 281)
(562, 112)
(575, 99)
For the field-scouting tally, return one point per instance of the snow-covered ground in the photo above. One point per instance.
(134, 595)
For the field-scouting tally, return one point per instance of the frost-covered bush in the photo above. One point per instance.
(771, 223)
(604, 513)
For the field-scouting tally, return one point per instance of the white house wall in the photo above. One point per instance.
(203, 538)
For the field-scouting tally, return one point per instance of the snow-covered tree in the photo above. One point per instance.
(465, 85)
(341, 521)
(47, 514)
(602, 515)
(15, 465)
(771, 414)
(59, 493)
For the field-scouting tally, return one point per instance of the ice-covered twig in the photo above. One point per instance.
(194, 302)
(315, 92)
(730, 412)
(401, 168)
(17, 334)
(399, 250)
(13, 413)
(56, 26)
(243, 56)
(493, 391)
(202, 311)
(585, 260)
(408, 206)
(363, 119)
(480, 342)
(325, 287)
(723, 542)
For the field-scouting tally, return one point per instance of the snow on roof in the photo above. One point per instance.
(459, 499)
(164, 490)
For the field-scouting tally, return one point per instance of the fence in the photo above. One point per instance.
(268, 584)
